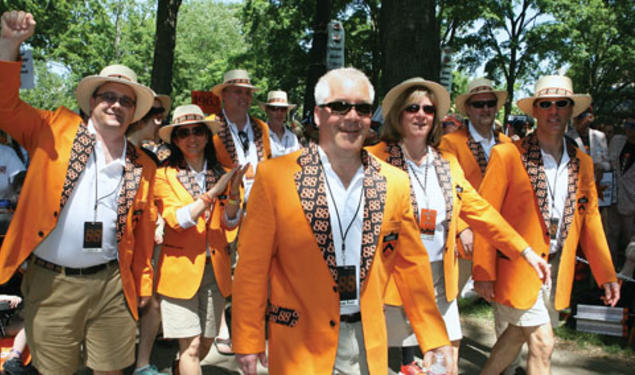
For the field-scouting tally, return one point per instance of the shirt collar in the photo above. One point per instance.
(234, 126)
(121, 160)
(565, 155)
(477, 136)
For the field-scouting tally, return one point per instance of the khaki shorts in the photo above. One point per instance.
(62, 313)
(350, 357)
(197, 316)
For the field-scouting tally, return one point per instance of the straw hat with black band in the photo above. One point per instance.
(480, 86)
(185, 115)
(144, 96)
(236, 77)
(555, 87)
(276, 98)
(440, 93)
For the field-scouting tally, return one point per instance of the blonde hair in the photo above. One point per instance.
(392, 131)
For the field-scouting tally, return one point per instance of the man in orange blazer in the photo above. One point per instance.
(544, 187)
(242, 138)
(326, 227)
(83, 218)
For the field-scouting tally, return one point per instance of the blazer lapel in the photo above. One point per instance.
(397, 159)
(374, 200)
(572, 191)
(187, 179)
(532, 159)
(131, 178)
(442, 168)
(257, 129)
(226, 137)
(478, 152)
(309, 182)
(82, 148)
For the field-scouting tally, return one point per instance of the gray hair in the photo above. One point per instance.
(323, 87)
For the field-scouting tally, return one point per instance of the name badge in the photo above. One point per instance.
(553, 227)
(428, 222)
(93, 233)
(347, 285)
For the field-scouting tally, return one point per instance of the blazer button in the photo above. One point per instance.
(213, 251)
(54, 213)
(543, 255)
(40, 233)
(335, 289)
(332, 323)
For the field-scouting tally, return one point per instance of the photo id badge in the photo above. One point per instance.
(553, 227)
(93, 233)
(428, 222)
(347, 285)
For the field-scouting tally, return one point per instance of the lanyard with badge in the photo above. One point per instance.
(94, 231)
(346, 275)
(554, 220)
(428, 216)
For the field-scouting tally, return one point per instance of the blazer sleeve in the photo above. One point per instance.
(168, 199)
(413, 277)
(250, 287)
(144, 244)
(493, 189)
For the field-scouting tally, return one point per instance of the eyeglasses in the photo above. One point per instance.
(276, 108)
(181, 132)
(483, 103)
(559, 103)
(342, 108)
(414, 108)
(111, 98)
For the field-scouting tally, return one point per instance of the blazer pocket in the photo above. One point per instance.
(282, 315)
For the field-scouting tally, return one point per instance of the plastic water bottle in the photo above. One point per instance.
(438, 365)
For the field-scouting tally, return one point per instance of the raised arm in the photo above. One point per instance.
(17, 26)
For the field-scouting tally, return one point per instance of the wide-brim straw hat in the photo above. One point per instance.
(276, 98)
(185, 115)
(236, 77)
(116, 74)
(480, 86)
(166, 103)
(555, 87)
(441, 94)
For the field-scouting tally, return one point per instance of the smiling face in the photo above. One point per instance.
(414, 121)
(482, 118)
(276, 116)
(237, 100)
(191, 139)
(111, 115)
(552, 121)
(344, 134)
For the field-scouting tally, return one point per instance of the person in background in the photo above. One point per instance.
(450, 124)
(282, 140)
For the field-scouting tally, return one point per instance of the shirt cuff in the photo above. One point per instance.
(524, 252)
(184, 217)
(232, 223)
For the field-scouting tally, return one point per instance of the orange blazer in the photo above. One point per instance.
(515, 184)
(462, 201)
(226, 149)
(59, 146)
(286, 252)
(184, 251)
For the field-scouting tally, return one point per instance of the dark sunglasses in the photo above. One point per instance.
(342, 108)
(276, 108)
(483, 103)
(559, 103)
(111, 98)
(186, 132)
(414, 108)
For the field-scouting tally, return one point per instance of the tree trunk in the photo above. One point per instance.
(409, 42)
(317, 56)
(164, 43)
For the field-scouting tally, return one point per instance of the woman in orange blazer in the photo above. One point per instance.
(439, 194)
(194, 271)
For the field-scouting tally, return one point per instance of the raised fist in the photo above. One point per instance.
(17, 26)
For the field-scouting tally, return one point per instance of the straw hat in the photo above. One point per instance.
(236, 77)
(185, 115)
(116, 74)
(555, 87)
(441, 94)
(166, 103)
(480, 86)
(276, 98)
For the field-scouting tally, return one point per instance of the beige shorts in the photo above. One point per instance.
(400, 332)
(350, 357)
(197, 316)
(63, 312)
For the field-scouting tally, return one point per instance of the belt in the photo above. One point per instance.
(351, 318)
(69, 271)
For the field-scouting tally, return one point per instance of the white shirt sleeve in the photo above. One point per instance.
(184, 217)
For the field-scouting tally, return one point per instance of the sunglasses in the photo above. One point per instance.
(483, 103)
(414, 108)
(111, 98)
(198, 131)
(559, 103)
(342, 108)
(276, 108)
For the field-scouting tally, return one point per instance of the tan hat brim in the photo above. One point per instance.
(460, 100)
(265, 105)
(165, 132)
(580, 103)
(441, 94)
(218, 89)
(87, 86)
(166, 103)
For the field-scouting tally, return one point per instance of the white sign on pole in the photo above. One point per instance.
(27, 73)
(335, 46)
(445, 77)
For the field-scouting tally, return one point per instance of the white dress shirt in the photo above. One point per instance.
(487, 144)
(64, 245)
(251, 156)
(10, 165)
(287, 144)
(347, 200)
(432, 198)
(557, 187)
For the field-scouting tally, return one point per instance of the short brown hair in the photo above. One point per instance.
(392, 131)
